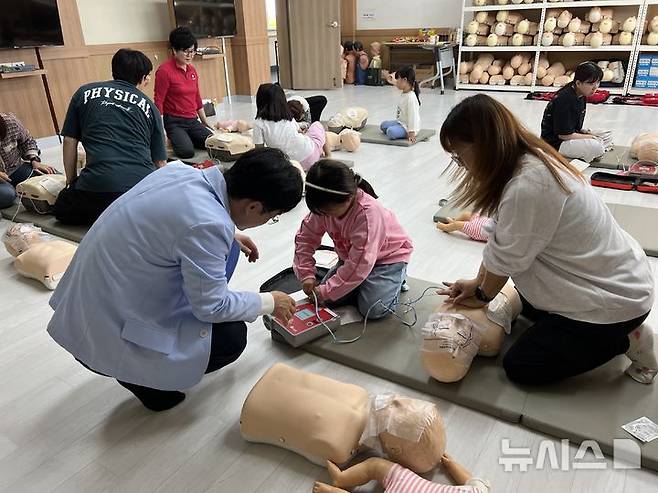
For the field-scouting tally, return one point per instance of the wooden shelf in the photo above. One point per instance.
(487, 87)
(522, 6)
(603, 49)
(16, 75)
(211, 56)
(498, 48)
(594, 3)
(556, 5)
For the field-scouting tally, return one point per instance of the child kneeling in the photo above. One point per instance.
(372, 247)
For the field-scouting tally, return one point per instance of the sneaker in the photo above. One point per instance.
(405, 287)
(641, 374)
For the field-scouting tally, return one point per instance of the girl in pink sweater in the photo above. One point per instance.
(372, 246)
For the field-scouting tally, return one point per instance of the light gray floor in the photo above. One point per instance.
(64, 429)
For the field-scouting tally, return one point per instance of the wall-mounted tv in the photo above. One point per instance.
(206, 18)
(29, 23)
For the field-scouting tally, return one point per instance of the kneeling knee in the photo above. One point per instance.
(184, 153)
(7, 197)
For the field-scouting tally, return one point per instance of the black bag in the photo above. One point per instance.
(373, 77)
(209, 109)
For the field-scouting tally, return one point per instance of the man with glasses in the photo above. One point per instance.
(147, 301)
(178, 98)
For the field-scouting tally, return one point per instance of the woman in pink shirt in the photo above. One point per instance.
(372, 246)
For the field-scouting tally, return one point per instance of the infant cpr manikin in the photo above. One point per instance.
(454, 335)
(324, 419)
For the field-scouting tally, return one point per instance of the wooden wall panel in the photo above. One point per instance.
(26, 96)
(64, 77)
(74, 64)
(348, 19)
(250, 47)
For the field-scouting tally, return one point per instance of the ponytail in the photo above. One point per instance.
(417, 91)
(365, 186)
(407, 72)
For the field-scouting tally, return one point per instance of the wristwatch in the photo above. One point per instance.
(480, 295)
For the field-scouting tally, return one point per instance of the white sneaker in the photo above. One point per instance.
(644, 366)
(641, 374)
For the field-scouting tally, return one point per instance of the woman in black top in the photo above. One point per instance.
(562, 125)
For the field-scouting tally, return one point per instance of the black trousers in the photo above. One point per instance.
(316, 105)
(229, 339)
(186, 134)
(80, 207)
(556, 347)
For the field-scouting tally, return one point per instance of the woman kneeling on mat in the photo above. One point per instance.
(584, 281)
(562, 125)
(372, 246)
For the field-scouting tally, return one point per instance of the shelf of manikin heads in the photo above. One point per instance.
(602, 49)
(559, 5)
(520, 6)
(487, 87)
(498, 48)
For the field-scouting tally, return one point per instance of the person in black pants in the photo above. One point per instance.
(578, 346)
(178, 98)
(311, 108)
(586, 283)
(121, 131)
(316, 105)
(229, 340)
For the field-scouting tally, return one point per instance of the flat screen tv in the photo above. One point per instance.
(206, 18)
(29, 23)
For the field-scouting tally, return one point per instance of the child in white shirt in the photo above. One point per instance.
(275, 127)
(407, 122)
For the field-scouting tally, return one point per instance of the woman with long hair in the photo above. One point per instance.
(585, 283)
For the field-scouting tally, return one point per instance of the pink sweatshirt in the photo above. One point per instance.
(367, 235)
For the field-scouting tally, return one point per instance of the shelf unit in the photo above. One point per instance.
(644, 16)
(633, 50)
(16, 75)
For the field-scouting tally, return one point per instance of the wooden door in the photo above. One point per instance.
(314, 35)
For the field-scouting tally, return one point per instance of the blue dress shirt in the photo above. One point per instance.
(150, 278)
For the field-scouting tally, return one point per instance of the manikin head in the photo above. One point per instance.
(183, 46)
(331, 188)
(414, 434)
(261, 185)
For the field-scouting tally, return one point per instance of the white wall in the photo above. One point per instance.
(408, 14)
(124, 21)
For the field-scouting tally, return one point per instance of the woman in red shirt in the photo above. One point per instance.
(177, 96)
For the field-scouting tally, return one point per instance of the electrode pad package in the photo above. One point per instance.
(450, 342)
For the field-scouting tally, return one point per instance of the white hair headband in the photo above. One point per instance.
(328, 190)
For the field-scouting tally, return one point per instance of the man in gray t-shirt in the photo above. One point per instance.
(121, 131)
